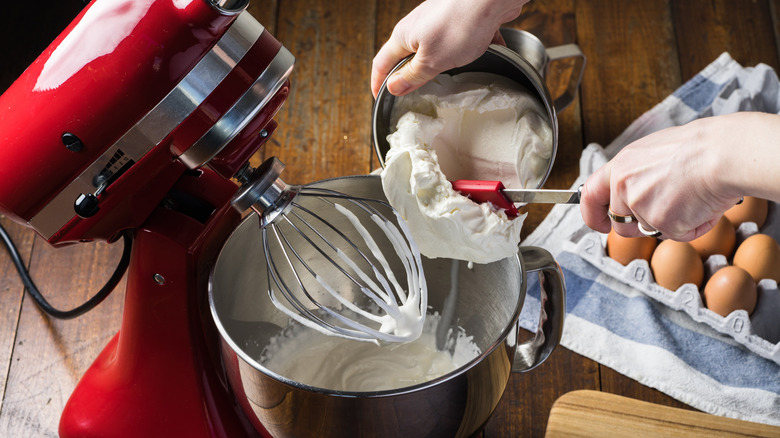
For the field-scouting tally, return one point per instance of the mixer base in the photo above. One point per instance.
(160, 376)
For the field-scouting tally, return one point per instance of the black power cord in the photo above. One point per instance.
(86, 306)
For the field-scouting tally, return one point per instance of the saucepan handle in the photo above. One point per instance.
(533, 352)
(568, 51)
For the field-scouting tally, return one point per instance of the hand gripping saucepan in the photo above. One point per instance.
(320, 288)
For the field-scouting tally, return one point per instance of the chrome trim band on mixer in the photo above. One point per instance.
(242, 112)
(158, 123)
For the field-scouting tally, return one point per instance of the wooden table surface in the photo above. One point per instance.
(638, 53)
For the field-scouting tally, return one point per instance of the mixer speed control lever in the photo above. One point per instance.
(86, 206)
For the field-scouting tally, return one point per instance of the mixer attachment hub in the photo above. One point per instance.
(263, 190)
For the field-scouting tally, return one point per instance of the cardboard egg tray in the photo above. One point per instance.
(758, 332)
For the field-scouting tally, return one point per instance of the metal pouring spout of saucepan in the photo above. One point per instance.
(494, 192)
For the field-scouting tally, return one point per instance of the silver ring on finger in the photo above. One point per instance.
(620, 218)
(648, 233)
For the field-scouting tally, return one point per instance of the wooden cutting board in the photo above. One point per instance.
(599, 414)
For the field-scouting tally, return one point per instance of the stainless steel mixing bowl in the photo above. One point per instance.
(457, 404)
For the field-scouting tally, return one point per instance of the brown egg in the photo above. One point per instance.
(759, 255)
(676, 263)
(750, 210)
(719, 240)
(626, 249)
(730, 288)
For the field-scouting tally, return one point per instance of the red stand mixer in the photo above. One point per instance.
(137, 119)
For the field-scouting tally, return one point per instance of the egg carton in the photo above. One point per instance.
(758, 332)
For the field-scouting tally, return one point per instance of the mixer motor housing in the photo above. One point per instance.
(138, 117)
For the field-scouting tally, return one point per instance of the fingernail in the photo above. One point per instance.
(398, 86)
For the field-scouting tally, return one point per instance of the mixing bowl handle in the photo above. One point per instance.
(553, 298)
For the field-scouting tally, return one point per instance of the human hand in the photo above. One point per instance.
(443, 34)
(678, 181)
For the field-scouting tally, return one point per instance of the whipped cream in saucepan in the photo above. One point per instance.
(468, 126)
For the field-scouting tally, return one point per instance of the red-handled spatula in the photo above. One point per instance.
(495, 193)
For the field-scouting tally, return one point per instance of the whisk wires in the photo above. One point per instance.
(320, 259)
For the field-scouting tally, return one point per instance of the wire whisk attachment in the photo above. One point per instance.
(337, 263)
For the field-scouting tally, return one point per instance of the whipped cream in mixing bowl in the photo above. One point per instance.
(330, 362)
(467, 126)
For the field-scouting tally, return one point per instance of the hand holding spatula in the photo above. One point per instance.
(494, 192)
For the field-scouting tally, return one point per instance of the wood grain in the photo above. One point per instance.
(265, 13)
(325, 125)
(634, 63)
(592, 413)
(387, 15)
(706, 28)
(11, 296)
(50, 355)
(524, 408)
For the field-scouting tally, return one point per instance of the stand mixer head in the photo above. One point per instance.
(129, 97)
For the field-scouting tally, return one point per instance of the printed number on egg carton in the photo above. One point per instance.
(759, 332)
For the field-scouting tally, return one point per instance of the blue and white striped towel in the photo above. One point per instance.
(616, 325)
